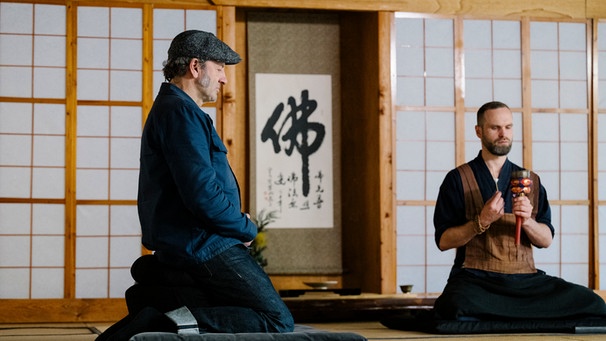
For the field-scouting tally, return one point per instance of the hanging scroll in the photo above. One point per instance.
(293, 138)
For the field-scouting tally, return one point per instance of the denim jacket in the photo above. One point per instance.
(189, 199)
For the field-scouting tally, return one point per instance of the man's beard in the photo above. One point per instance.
(204, 82)
(496, 149)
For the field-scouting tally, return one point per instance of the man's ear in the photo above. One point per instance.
(478, 131)
(195, 67)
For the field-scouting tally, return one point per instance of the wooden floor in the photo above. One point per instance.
(371, 330)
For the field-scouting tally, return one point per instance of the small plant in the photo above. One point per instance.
(259, 244)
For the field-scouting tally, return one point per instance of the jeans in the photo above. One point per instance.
(241, 297)
(228, 294)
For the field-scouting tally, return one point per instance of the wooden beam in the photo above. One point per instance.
(147, 76)
(361, 159)
(577, 9)
(387, 124)
(71, 108)
(596, 9)
(494, 8)
(62, 310)
(459, 80)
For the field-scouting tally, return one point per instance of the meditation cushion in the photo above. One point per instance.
(301, 333)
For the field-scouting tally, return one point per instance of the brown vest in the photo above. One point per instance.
(495, 250)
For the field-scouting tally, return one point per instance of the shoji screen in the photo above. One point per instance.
(68, 181)
(109, 126)
(32, 150)
(439, 89)
(493, 70)
(110, 69)
(425, 145)
(560, 112)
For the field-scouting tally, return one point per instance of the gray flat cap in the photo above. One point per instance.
(203, 45)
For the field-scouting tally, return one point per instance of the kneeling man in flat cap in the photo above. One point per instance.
(201, 277)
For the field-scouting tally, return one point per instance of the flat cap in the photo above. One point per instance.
(203, 45)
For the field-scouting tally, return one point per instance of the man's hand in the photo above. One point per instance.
(247, 244)
(538, 233)
(522, 207)
(493, 209)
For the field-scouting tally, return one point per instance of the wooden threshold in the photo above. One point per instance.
(62, 310)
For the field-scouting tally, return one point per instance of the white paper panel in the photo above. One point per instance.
(126, 122)
(124, 184)
(48, 182)
(49, 151)
(125, 52)
(48, 219)
(14, 251)
(49, 82)
(126, 23)
(478, 34)
(92, 220)
(49, 19)
(93, 21)
(410, 185)
(93, 53)
(410, 155)
(49, 119)
(49, 51)
(16, 18)
(47, 283)
(119, 281)
(93, 121)
(125, 85)
(15, 118)
(124, 220)
(16, 81)
(15, 218)
(92, 184)
(91, 283)
(48, 251)
(124, 251)
(92, 152)
(15, 150)
(509, 91)
(125, 152)
(15, 182)
(93, 84)
(14, 283)
(91, 252)
(16, 50)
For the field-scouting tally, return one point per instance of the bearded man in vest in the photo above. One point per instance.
(494, 275)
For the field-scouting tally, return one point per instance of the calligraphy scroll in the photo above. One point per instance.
(293, 138)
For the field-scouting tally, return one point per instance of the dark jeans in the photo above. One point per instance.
(227, 294)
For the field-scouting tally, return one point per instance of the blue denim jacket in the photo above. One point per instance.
(189, 200)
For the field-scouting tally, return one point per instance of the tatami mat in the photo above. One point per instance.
(374, 331)
(49, 332)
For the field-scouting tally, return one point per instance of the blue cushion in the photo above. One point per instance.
(301, 333)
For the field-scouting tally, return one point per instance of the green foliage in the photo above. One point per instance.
(259, 244)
